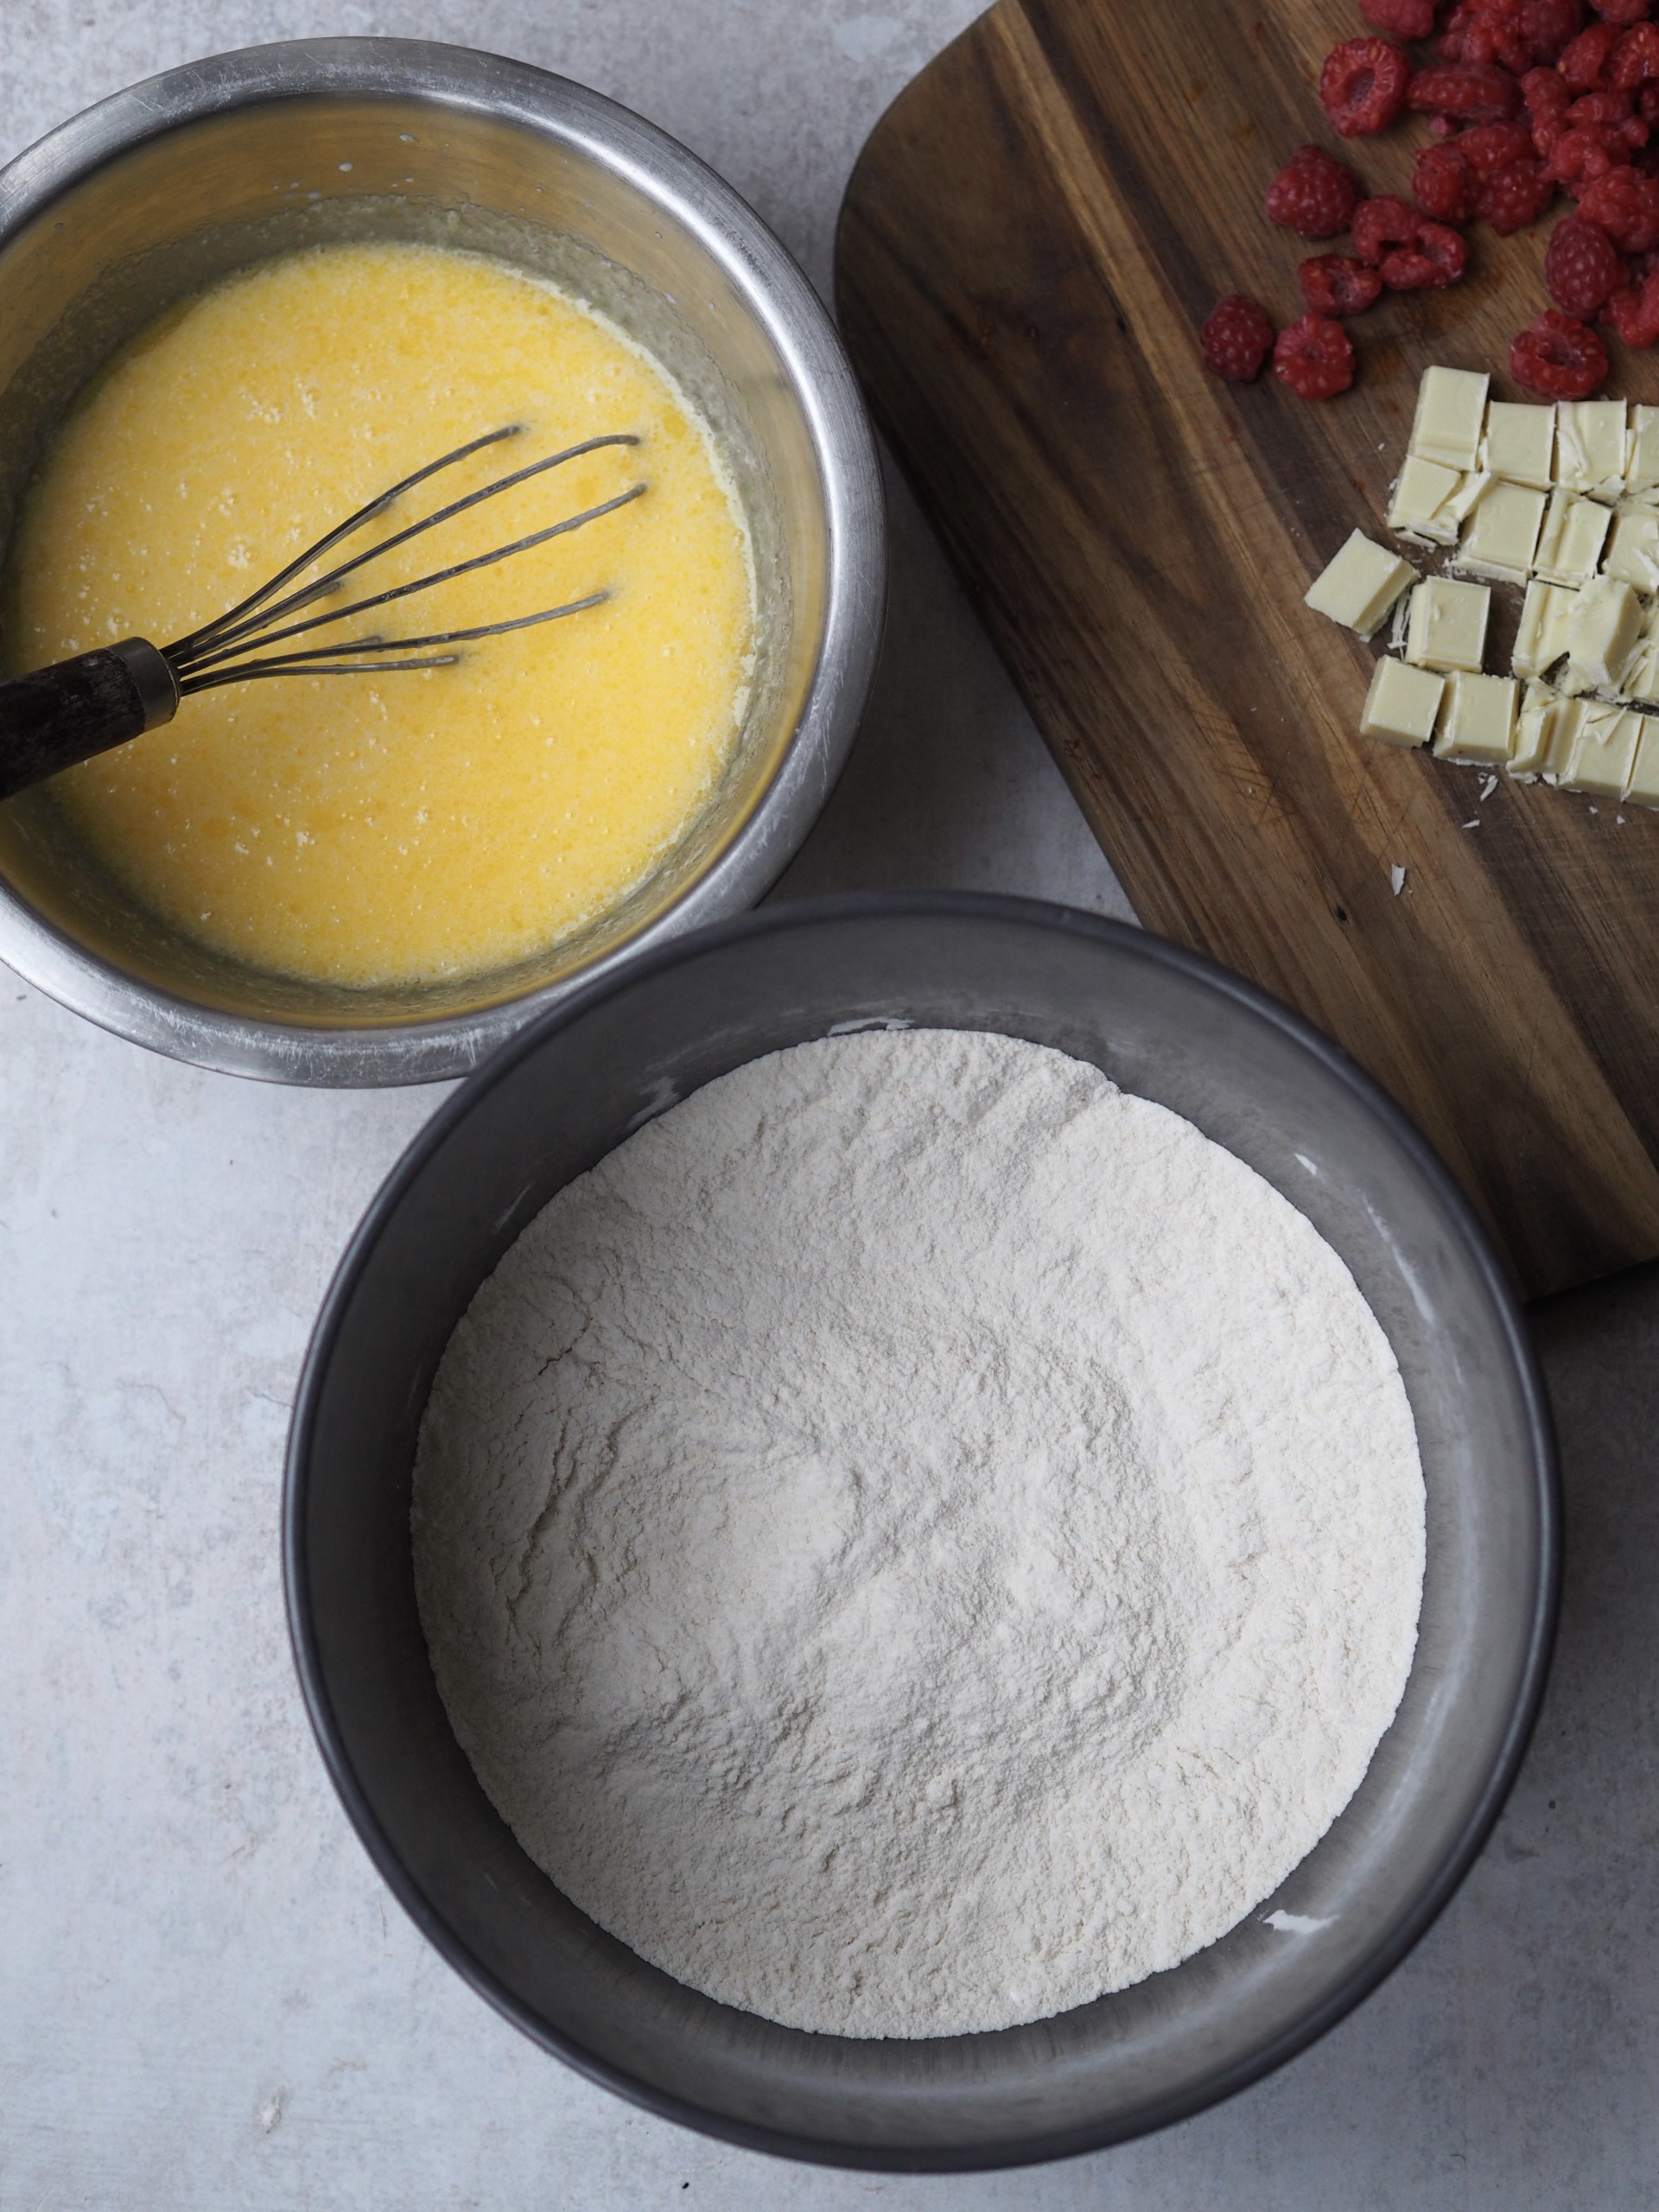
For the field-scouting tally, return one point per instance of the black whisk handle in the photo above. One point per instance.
(64, 714)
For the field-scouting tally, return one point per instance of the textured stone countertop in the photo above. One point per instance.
(207, 1999)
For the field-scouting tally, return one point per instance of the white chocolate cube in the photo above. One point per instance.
(1535, 722)
(1403, 703)
(1641, 678)
(1603, 753)
(1476, 718)
(1633, 547)
(1503, 533)
(1450, 415)
(1541, 640)
(1569, 545)
(1360, 585)
(1422, 491)
(1642, 466)
(1603, 631)
(1642, 786)
(1590, 437)
(1471, 489)
(1446, 626)
(1565, 726)
(1520, 443)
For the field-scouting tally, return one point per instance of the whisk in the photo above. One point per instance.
(75, 708)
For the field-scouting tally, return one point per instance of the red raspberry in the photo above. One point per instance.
(1513, 197)
(1475, 91)
(1622, 11)
(1647, 104)
(1547, 100)
(1237, 339)
(1594, 108)
(1586, 62)
(1624, 206)
(1558, 358)
(1550, 26)
(1441, 184)
(1636, 59)
(1581, 269)
(1493, 146)
(1400, 18)
(1633, 310)
(1411, 251)
(1313, 194)
(1313, 356)
(1334, 283)
(1487, 31)
(1579, 156)
(1362, 85)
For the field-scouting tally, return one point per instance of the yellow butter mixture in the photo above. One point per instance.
(408, 827)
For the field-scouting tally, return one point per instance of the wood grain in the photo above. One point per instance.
(1029, 243)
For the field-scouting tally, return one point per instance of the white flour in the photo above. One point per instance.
(917, 1538)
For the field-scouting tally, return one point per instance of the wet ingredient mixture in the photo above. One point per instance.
(404, 828)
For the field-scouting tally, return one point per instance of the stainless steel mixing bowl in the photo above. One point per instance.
(1163, 1023)
(157, 191)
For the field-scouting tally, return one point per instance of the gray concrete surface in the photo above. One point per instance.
(207, 2001)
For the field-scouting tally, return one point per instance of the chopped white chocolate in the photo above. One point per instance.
(1565, 726)
(1476, 718)
(1603, 753)
(1603, 630)
(1446, 628)
(1403, 703)
(1643, 784)
(1520, 443)
(1360, 585)
(1471, 489)
(1535, 721)
(1502, 536)
(1422, 491)
(1541, 640)
(1589, 446)
(1450, 415)
(1569, 549)
(1642, 465)
(1633, 549)
(1640, 678)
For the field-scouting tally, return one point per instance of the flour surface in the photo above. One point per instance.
(917, 1538)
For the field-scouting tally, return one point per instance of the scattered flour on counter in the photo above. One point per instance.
(917, 1538)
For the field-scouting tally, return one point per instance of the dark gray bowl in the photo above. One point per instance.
(1160, 1022)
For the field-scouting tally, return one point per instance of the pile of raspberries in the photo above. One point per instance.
(1525, 97)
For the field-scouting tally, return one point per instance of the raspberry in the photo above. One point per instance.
(1550, 26)
(1411, 251)
(1400, 18)
(1581, 269)
(1647, 103)
(1487, 31)
(1441, 184)
(1514, 196)
(1624, 206)
(1237, 339)
(1586, 62)
(1362, 85)
(1547, 100)
(1313, 194)
(1633, 310)
(1622, 11)
(1334, 283)
(1313, 356)
(1636, 59)
(1558, 358)
(1475, 91)
(1579, 156)
(1493, 146)
(1593, 108)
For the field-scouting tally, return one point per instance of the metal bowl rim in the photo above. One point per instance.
(1123, 938)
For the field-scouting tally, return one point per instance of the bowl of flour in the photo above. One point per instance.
(922, 1533)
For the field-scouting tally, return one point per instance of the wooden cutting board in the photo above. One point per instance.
(1030, 241)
